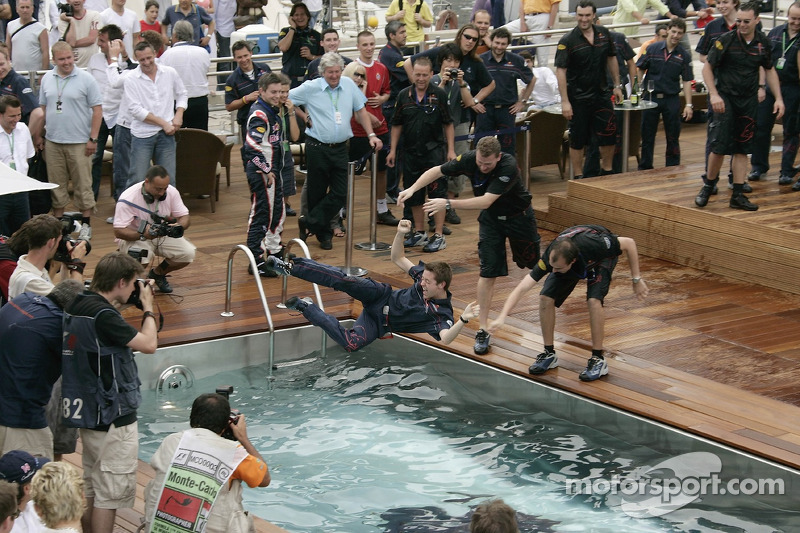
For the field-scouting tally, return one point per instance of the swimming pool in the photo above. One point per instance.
(405, 437)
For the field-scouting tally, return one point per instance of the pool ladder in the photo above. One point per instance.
(252, 260)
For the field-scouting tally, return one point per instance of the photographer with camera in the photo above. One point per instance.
(210, 420)
(48, 240)
(100, 383)
(151, 217)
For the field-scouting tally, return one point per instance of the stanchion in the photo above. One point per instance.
(348, 267)
(373, 245)
(526, 157)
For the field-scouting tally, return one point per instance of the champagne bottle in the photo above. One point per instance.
(635, 92)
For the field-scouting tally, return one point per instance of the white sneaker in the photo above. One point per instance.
(85, 233)
(110, 220)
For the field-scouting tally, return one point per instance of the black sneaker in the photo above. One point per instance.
(387, 218)
(297, 304)
(796, 186)
(279, 266)
(301, 223)
(451, 217)
(754, 175)
(290, 212)
(432, 227)
(161, 282)
(544, 362)
(745, 187)
(785, 180)
(740, 201)
(701, 200)
(482, 339)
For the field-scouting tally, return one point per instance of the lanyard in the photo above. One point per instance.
(60, 90)
(330, 92)
(10, 139)
(284, 130)
(783, 43)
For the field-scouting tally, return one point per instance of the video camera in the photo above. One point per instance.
(227, 390)
(70, 223)
(163, 227)
(66, 8)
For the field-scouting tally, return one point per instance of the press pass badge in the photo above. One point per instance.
(338, 117)
(780, 63)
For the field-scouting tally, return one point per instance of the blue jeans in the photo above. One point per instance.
(160, 148)
(122, 158)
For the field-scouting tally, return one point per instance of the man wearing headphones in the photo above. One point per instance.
(141, 234)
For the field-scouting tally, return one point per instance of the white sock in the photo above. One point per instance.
(382, 208)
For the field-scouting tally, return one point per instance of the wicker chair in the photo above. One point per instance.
(547, 139)
(198, 153)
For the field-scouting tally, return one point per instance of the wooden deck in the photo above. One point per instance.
(715, 355)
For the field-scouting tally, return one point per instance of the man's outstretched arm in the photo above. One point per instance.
(628, 245)
(398, 250)
(470, 311)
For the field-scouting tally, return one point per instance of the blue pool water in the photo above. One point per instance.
(375, 441)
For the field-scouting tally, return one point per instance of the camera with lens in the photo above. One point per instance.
(163, 227)
(136, 296)
(67, 9)
(453, 73)
(70, 223)
(233, 418)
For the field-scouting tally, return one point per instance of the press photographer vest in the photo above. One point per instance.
(85, 400)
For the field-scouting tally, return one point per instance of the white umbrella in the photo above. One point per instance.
(12, 181)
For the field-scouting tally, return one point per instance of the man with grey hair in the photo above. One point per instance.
(331, 100)
(192, 64)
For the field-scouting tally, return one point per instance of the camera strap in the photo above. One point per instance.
(140, 208)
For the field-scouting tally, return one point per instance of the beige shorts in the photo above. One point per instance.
(174, 250)
(67, 162)
(109, 465)
(34, 441)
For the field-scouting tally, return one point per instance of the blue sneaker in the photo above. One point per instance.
(482, 339)
(418, 238)
(435, 244)
(279, 266)
(544, 362)
(596, 369)
(298, 304)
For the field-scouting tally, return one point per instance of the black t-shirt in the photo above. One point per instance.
(422, 121)
(293, 64)
(475, 72)
(711, 33)
(586, 63)
(736, 62)
(783, 46)
(504, 180)
(595, 243)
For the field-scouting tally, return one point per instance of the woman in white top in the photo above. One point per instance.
(27, 40)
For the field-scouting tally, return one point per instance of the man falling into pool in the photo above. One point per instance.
(422, 308)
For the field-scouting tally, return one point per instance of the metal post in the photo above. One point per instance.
(348, 267)
(526, 156)
(373, 212)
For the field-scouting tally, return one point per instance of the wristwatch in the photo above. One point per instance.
(92, 140)
(636, 280)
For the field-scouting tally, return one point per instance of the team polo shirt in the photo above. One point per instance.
(15, 85)
(503, 180)
(666, 69)
(422, 121)
(786, 48)
(595, 244)
(393, 60)
(505, 74)
(409, 312)
(197, 17)
(712, 32)
(736, 62)
(586, 63)
(293, 64)
(240, 85)
(624, 54)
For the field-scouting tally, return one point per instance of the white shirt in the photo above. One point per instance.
(116, 81)
(28, 521)
(27, 278)
(545, 91)
(159, 97)
(98, 68)
(20, 139)
(96, 5)
(128, 22)
(192, 64)
(26, 53)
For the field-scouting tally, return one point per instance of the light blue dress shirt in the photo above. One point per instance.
(322, 104)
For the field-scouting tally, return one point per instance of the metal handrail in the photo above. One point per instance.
(228, 283)
(285, 288)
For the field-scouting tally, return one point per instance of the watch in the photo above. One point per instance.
(461, 318)
(636, 280)
(690, 106)
(447, 206)
(762, 86)
(92, 140)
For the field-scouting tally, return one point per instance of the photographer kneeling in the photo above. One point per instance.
(210, 419)
(151, 217)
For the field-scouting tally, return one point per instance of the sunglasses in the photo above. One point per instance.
(360, 74)
(470, 37)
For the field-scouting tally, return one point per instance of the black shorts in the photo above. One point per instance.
(596, 115)
(733, 131)
(414, 166)
(360, 146)
(598, 281)
(522, 235)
